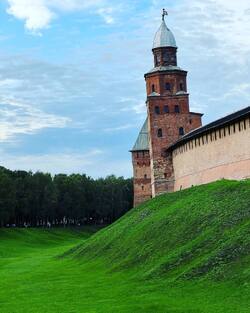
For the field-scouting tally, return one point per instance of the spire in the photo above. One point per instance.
(164, 37)
(164, 13)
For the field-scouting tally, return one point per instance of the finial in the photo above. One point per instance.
(164, 13)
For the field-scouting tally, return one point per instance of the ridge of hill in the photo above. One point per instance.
(201, 232)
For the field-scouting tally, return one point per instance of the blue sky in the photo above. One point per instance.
(72, 91)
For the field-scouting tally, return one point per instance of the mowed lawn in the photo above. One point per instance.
(34, 279)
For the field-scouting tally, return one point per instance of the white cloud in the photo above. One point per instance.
(35, 13)
(68, 163)
(21, 118)
(107, 15)
(38, 14)
(119, 128)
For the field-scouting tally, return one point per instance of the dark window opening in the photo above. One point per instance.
(145, 176)
(190, 121)
(168, 86)
(157, 110)
(181, 87)
(153, 88)
(159, 132)
(181, 131)
(166, 109)
(176, 109)
(142, 187)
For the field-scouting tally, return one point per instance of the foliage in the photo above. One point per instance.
(38, 199)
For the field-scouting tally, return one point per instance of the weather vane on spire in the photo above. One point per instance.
(164, 13)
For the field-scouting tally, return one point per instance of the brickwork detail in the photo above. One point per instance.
(142, 176)
(169, 118)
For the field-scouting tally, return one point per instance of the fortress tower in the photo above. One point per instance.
(169, 118)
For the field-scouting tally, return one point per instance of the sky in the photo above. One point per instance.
(72, 89)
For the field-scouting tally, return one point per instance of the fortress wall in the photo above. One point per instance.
(224, 153)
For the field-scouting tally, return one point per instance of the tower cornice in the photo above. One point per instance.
(165, 71)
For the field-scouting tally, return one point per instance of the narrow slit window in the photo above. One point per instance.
(157, 110)
(181, 131)
(168, 86)
(176, 109)
(166, 109)
(159, 133)
(153, 88)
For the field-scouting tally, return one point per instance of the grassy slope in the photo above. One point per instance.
(203, 231)
(186, 252)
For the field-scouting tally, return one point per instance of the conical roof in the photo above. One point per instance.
(142, 143)
(164, 37)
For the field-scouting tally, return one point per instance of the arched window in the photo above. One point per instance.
(181, 131)
(145, 176)
(181, 87)
(168, 86)
(177, 109)
(157, 110)
(166, 109)
(153, 88)
(159, 132)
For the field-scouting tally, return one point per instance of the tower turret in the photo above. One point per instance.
(164, 45)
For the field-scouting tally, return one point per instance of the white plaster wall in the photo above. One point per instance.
(227, 157)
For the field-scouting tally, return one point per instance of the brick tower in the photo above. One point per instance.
(169, 117)
(141, 166)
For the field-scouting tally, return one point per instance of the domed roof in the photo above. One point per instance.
(164, 37)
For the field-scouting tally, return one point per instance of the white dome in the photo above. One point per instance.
(164, 37)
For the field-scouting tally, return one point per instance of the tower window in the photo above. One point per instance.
(145, 176)
(159, 133)
(157, 110)
(153, 88)
(181, 87)
(181, 131)
(168, 86)
(177, 109)
(166, 109)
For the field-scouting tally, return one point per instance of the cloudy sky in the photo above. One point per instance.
(72, 92)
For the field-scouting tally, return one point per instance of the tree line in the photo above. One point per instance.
(39, 199)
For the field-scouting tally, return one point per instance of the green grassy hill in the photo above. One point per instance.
(186, 252)
(202, 232)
